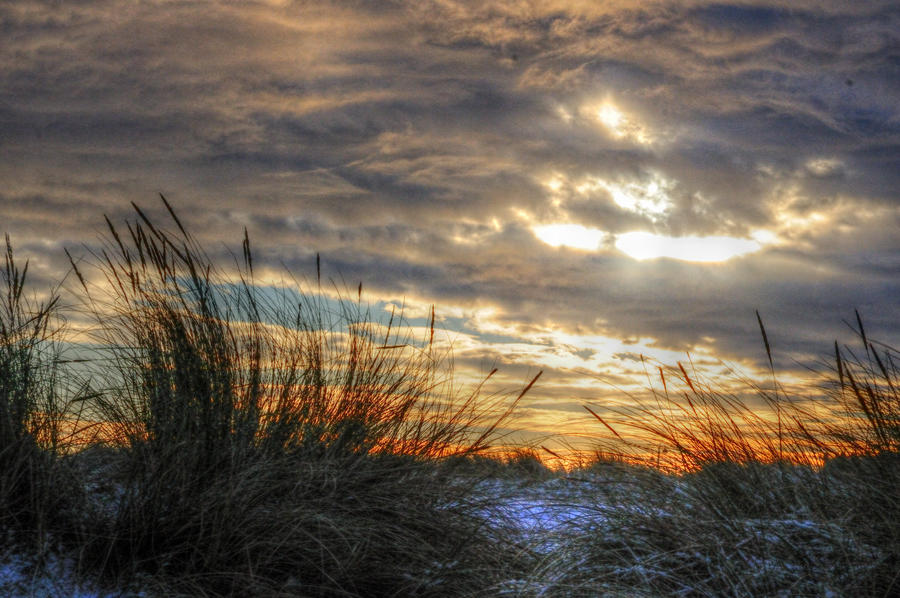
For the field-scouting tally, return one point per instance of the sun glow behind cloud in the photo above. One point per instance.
(644, 246)
(649, 199)
(641, 245)
(575, 236)
(648, 196)
(611, 117)
(619, 124)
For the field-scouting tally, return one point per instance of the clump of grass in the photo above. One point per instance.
(765, 493)
(863, 465)
(524, 462)
(34, 490)
(867, 385)
(276, 442)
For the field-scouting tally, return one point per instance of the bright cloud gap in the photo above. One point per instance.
(575, 236)
(618, 124)
(644, 246)
(641, 245)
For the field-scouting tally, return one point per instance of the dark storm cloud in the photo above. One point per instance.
(413, 144)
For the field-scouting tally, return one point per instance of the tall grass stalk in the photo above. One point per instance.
(274, 442)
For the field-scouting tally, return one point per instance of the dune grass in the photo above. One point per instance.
(36, 401)
(247, 440)
(767, 494)
(274, 444)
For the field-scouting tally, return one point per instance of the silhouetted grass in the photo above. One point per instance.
(35, 492)
(273, 443)
(768, 494)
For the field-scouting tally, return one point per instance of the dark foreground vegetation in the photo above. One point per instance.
(206, 436)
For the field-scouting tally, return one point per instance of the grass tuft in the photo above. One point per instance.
(276, 442)
(36, 494)
(765, 494)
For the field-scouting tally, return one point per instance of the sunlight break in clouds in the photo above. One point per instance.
(649, 199)
(611, 117)
(644, 246)
(619, 124)
(648, 196)
(575, 236)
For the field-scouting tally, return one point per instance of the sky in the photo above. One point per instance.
(571, 184)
